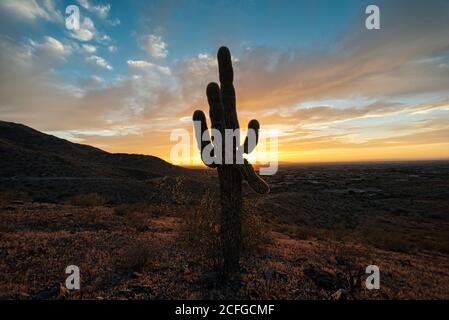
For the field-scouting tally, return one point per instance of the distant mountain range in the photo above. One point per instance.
(52, 168)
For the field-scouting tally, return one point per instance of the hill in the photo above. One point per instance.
(52, 169)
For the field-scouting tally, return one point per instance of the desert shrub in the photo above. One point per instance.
(92, 217)
(201, 231)
(121, 210)
(137, 220)
(304, 232)
(349, 265)
(175, 190)
(442, 245)
(138, 214)
(389, 241)
(178, 191)
(137, 256)
(151, 210)
(307, 233)
(87, 200)
(255, 232)
(14, 196)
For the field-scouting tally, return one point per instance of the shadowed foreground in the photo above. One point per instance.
(321, 236)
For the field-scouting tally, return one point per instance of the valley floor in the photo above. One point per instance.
(119, 261)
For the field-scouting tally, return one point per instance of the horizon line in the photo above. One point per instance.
(324, 163)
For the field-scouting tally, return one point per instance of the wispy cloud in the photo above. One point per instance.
(154, 46)
(99, 61)
(100, 10)
(31, 10)
(89, 48)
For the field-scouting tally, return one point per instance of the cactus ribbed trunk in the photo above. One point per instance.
(231, 211)
(223, 115)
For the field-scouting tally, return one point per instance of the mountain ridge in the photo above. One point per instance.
(51, 169)
(20, 144)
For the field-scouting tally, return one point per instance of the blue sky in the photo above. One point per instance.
(137, 69)
(193, 27)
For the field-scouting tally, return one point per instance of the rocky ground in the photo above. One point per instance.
(121, 258)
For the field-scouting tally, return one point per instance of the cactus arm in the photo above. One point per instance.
(215, 107)
(254, 126)
(198, 115)
(254, 180)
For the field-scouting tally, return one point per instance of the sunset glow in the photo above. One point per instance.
(332, 90)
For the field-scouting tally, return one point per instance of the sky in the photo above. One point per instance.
(331, 89)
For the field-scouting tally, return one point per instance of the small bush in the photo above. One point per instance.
(201, 231)
(93, 217)
(14, 197)
(138, 214)
(87, 200)
(304, 232)
(137, 256)
(442, 245)
(390, 241)
(201, 234)
(255, 232)
(151, 210)
(137, 220)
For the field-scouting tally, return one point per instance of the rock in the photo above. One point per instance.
(210, 280)
(323, 279)
(141, 289)
(125, 293)
(268, 274)
(341, 294)
(405, 263)
(253, 294)
(273, 274)
(282, 275)
(46, 294)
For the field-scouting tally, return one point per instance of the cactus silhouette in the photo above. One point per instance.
(223, 115)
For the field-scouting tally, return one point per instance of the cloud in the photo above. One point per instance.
(354, 95)
(148, 66)
(86, 31)
(101, 10)
(154, 46)
(112, 48)
(364, 63)
(34, 94)
(99, 61)
(103, 38)
(52, 47)
(31, 10)
(93, 81)
(89, 48)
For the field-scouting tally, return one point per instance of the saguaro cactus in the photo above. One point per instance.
(223, 115)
